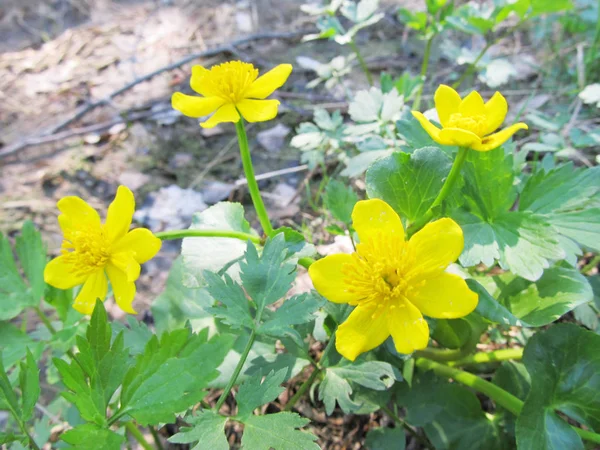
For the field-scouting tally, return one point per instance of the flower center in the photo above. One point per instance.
(383, 273)
(229, 80)
(474, 124)
(86, 250)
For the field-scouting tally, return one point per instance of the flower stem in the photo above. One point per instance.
(261, 211)
(446, 188)
(138, 436)
(236, 372)
(486, 357)
(361, 61)
(424, 66)
(302, 389)
(178, 234)
(499, 395)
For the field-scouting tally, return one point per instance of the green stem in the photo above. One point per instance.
(591, 265)
(361, 61)
(156, 437)
(261, 211)
(442, 354)
(424, 66)
(303, 388)
(305, 262)
(179, 234)
(446, 188)
(486, 357)
(137, 435)
(236, 372)
(406, 426)
(499, 395)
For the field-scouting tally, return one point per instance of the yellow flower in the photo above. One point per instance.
(232, 89)
(393, 282)
(91, 252)
(469, 122)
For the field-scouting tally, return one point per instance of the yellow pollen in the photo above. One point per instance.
(383, 273)
(86, 250)
(475, 124)
(229, 80)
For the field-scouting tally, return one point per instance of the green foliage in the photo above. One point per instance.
(340, 200)
(564, 362)
(409, 183)
(207, 428)
(386, 439)
(296, 310)
(256, 392)
(17, 293)
(21, 408)
(92, 437)
(279, 431)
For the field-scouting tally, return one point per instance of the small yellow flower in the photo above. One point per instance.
(393, 282)
(91, 252)
(469, 122)
(231, 89)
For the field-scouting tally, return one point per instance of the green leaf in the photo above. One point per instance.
(513, 377)
(335, 388)
(409, 183)
(32, 255)
(522, 242)
(136, 335)
(234, 308)
(489, 178)
(14, 344)
(8, 398)
(256, 391)
(171, 374)
(546, 7)
(14, 293)
(92, 437)
(340, 200)
(294, 311)
(375, 375)
(386, 439)
(178, 304)
(209, 253)
(29, 381)
(564, 362)
(587, 316)
(7, 438)
(450, 414)
(207, 428)
(523, 303)
(267, 278)
(279, 431)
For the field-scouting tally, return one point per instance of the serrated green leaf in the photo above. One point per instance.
(279, 431)
(340, 200)
(522, 242)
(207, 428)
(136, 335)
(14, 293)
(32, 256)
(409, 183)
(92, 437)
(234, 308)
(386, 439)
(178, 304)
(564, 362)
(267, 278)
(377, 375)
(294, 311)
(335, 389)
(29, 381)
(171, 374)
(256, 391)
(210, 253)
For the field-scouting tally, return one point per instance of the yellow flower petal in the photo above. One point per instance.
(79, 213)
(328, 279)
(258, 110)
(472, 105)
(447, 102)
(266, 84)
(458, 136)
(62, 275)
(123, 289)
(95, 287)
(497, 139)
(197, 81)
(436, 245)
(365, 329)
(119, 215)
(373, 218)
(141, 242)
(445, 296)
(226, 113)
(127, 264)
(430, 128)
(408, 328)
(495, 112)
(193, 106)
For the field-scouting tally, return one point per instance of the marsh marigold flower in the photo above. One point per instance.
(93, 252)
(469, 122)
(393, 282)
(231, 89)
